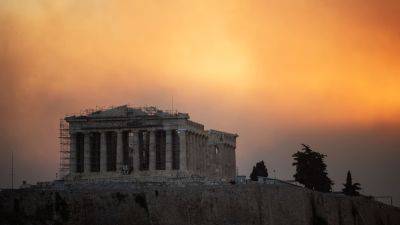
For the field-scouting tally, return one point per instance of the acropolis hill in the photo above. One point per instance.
(138, 166)
(227, 204)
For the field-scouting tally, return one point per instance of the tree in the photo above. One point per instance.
(259, 171)
(311, 170)
(350, 188)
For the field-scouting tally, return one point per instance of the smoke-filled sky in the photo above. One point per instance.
(277, 72)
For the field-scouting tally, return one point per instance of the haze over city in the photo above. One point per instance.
(278, 73)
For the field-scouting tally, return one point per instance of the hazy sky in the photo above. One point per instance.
(277, 72)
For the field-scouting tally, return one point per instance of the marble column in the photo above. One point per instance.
(198, 155)
(130, 149)
(87, 152)
(72, 153)
(182, 150)
(193, 153)
(168, 149)
(120, 151)
(201, 159)
(135, 146)
(103, 152)
(152, 150)
(205, 153)
(188, 150)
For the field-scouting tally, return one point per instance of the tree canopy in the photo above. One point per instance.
(311, 169)
(350, 188)
(259, 170)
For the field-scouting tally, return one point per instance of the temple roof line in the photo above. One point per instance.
(128, 111)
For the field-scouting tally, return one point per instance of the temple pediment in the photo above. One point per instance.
(119, 111)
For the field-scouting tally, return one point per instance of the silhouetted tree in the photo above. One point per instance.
(311, 170)
(350, 188)
(259, 171)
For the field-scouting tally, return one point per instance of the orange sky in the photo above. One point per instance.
(272, 71)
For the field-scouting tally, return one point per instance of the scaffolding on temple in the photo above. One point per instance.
(64, 139)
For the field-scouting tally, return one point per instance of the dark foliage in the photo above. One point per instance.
(311, 170)
(350, 188)
(260, 170)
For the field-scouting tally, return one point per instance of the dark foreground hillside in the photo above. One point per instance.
(230, 204)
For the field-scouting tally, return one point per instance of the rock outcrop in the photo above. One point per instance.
(190, 205)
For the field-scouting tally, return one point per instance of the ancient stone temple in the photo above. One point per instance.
(126, 142)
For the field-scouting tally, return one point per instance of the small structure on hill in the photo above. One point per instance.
(126, 142)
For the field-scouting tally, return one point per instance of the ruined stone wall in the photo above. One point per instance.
(196, 146)
(222, 155)
(191, 205)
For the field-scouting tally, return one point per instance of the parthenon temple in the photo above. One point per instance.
(125, 142)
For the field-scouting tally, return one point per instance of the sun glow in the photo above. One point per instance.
(270, 59)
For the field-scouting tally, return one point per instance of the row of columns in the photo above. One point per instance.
(133, 140)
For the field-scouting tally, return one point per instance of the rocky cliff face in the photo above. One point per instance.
(230, 204)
